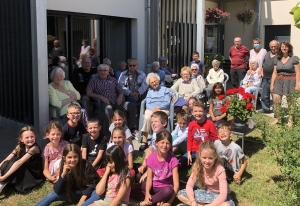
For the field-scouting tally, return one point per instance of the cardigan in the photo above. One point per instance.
(184, 89)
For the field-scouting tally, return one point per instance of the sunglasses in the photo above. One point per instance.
(194, 69)
(132, 65)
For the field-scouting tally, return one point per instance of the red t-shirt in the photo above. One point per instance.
(238, 57)
(200, 132)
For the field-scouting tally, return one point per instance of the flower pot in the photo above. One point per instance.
(239, 124)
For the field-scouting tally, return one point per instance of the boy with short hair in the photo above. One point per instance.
(94, 144)
(159, 122)
(200, 130)
(231, 154)
(180, 132)
(73, 129)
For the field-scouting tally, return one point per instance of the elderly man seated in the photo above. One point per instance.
(164, 67)
(133, 82)
(158, 99)
(107, 89)
(160, 73)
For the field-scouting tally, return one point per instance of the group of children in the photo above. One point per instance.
(99, 170)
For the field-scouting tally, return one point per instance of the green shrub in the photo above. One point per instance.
(283, 143)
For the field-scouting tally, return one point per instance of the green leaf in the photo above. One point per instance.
(297, 15)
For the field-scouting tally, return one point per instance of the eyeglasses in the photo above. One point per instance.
(194, 69)
(132, 65)
(75, 113)
(102, 70)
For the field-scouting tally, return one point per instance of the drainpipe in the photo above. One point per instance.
(257, 20)
(148, 67)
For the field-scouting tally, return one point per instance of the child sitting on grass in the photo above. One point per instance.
(180, 133)
(210, 177)
(94, 144)
(231, 154)
(53, 151)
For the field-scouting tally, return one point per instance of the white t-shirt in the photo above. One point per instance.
(128, 148)
(127, 130)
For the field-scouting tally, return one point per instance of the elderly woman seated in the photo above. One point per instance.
(161, 73)
(215, 75)
(252, 79)
(186, 87)
(158, 99)
(61, 94)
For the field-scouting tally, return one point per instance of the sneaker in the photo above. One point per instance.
(2, 185)
(184, 179)
(135, 135)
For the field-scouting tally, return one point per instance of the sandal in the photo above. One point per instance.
(143, 147)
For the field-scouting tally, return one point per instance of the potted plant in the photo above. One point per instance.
(296, 13)
(216, 15)
(238, 106)
(209, 58)
(246, 17)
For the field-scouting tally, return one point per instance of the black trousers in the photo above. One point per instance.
(237, 75)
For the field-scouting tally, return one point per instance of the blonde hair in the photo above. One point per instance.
(197, 168)
(54, 125)
(188, 69)
(73, 106)
(118, 129)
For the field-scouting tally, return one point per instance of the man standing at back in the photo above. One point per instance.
(196, 60)
(238, 57)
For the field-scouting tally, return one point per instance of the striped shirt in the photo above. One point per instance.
(108, 88)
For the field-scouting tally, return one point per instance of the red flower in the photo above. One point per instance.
(223, 109)
(227, 103)
(232, 91)
(221, 96)
(241, 90)
(247, 96)
(249, 106)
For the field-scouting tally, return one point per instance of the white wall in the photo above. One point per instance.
(277, 13)
(233, 28)
(134, 9)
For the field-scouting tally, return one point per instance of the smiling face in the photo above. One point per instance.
(54, 136)
(195, 57)
(194, 71)
(185, 75)
(73, 114)
(28, 138)
(224, 134)
(198, 113)
(163, 146)
(71, 159)
(154, 83)
(284, 49)
(156, 124)
(218, 90)
(93, 129)
(103, 72)
(118, 138)
(86, 64)
(58, 77)
(207, 159)
(118, 120)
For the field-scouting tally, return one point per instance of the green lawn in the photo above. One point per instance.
(256, 189)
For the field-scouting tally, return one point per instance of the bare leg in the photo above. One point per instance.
(277, 103)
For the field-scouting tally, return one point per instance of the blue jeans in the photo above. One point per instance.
(183, 160)
(265, 94)
(131, 99)
(251, 89)
(53, 197)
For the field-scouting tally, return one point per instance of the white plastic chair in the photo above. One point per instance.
(170, 125)
(254, 101)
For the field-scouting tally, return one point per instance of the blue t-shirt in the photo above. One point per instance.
(200, 64)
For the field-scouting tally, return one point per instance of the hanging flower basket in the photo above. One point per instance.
(216, 16)
(247, 17)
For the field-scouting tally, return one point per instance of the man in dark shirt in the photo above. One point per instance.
(266, 73)
(81, 78)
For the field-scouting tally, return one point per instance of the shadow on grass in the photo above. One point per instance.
(278, 178)
(251, 145)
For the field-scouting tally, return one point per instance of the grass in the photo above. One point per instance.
(257, 188)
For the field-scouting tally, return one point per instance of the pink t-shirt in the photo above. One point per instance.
(214, 182)
(112, 190)
(52, 155)
(258, 56)
(162, 171)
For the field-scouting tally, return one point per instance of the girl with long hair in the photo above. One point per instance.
(23, 166)
(77, 179)
(210, 177)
